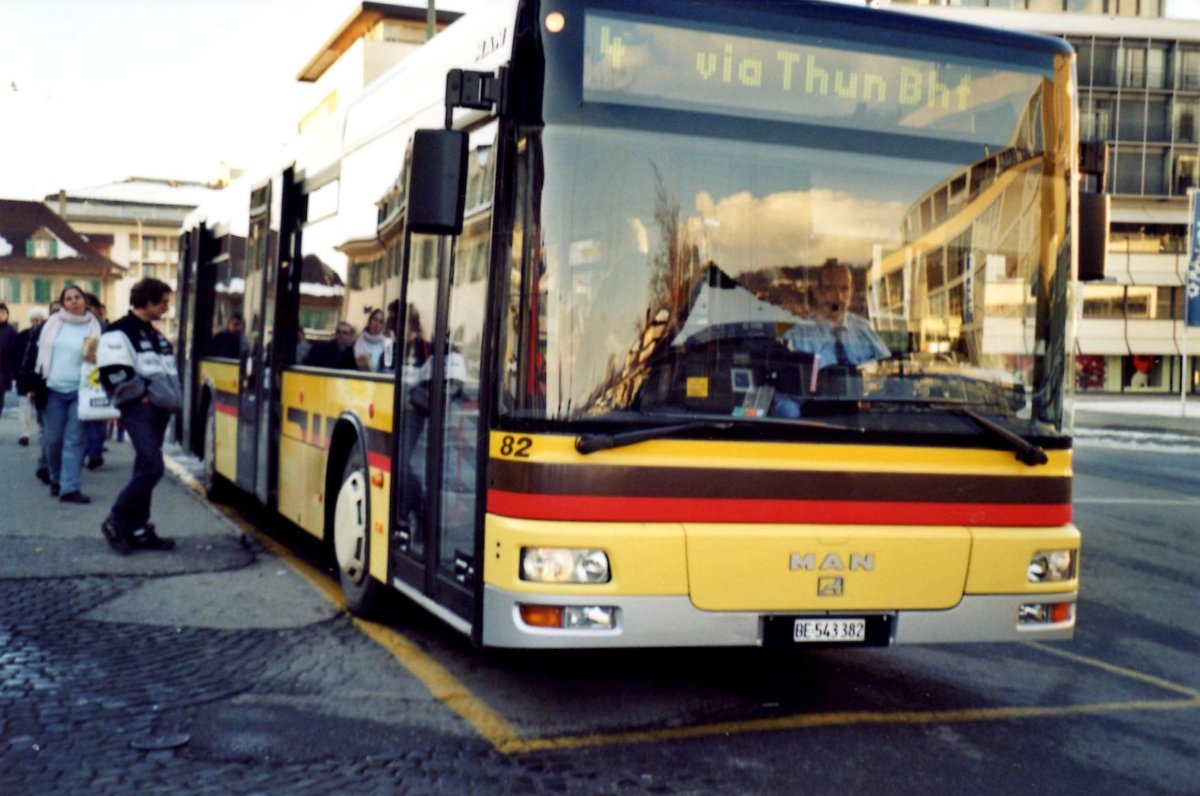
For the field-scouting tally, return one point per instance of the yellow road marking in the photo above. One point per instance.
(444, 686)
(1121, 671)
(506, 739)
(836, 719)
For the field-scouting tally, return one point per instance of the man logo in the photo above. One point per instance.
(830, 587)
(831, 561)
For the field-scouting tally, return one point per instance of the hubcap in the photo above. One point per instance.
(350, 527)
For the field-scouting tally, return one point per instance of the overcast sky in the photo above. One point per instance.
(93, 91)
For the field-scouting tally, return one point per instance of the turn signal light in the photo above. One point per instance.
(542, 615)
(1045, 613)
(569, 617)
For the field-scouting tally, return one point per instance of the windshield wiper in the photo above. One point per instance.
(590, 443)
(1026, 451)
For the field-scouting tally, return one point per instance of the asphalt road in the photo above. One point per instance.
(218, 669)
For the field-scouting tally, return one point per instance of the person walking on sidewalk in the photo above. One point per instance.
(60, 355)
(8, 353)
(29, 414)
(93, 430)
(137, 369)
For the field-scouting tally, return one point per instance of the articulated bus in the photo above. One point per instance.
(713, 323)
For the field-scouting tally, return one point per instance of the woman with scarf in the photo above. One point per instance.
(374, 348)
(61, 352)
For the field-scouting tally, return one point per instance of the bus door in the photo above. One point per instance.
(438, 389)
(255, 367)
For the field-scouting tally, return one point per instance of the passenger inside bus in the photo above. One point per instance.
(336, 353)
(228, 342)
(375, 348)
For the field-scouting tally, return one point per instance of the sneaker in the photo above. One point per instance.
(43, 474)
(73, 497)
(95, 462)
(116, 540)
(23, 442)
(147, 539)
(54, 490)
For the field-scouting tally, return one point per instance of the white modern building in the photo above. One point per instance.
(1139, 80)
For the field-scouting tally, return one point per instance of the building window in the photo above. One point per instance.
(10, 289)
(1103, 64)
(1096, 122)
(1131, 61)
(1131, 118)
(1134, 302)
(41, 291)
(1124, 238)
(1156, 66)
(1103, 301)
(1184, 173)
(1155, 173)
(1127, 178)
(1185, 113)
(1157, 128)
(42, 246)
(95, 287)
(148, 271)
(1139, 301)
(1189, 69)
(1164, 306)
(1135, 8)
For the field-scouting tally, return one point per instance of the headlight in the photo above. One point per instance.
(564, 565)
(1052, 566)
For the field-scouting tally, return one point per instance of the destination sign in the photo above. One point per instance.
(631, 62)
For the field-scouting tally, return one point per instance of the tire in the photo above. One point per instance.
(351, 537)
(215, 485)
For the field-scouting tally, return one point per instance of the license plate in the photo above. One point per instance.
(829, 630)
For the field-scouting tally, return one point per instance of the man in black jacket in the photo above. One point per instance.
(137, 369)
(336, 353)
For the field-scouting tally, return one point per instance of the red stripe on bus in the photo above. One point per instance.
(627, 509)
(227, 409)
(379, 461)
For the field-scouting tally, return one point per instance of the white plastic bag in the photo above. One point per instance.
(94, 403)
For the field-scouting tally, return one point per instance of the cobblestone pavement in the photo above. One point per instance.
(214, 669)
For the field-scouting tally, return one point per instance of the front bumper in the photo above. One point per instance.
(676, 622)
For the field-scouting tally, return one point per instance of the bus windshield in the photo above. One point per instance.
(774, 269)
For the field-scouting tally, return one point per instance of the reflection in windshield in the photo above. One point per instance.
(745, 279)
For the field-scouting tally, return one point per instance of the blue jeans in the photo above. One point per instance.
(93, 447)
(63, 435)
(146, 426)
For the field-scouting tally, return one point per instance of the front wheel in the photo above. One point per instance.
(352, 537)
(215, 486)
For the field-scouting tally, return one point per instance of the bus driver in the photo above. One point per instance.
(832, 334)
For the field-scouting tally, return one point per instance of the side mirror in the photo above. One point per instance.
(437, 182)
(1093, 235)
